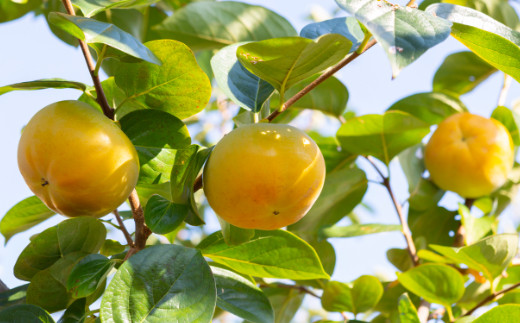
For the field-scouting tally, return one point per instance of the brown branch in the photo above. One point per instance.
(122, 227)
(3, 287)
(142, 232)
(490, 298)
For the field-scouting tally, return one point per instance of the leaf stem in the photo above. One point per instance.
(123, 229)
(302, 289)
(460, 235)
(490, 298)
(504, 90)
(450, 313)
(100, 59)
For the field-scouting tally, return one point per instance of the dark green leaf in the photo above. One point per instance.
(285, 301)
(277, 254)
(430, 107)
(93, 31)
(422, 221)
(284, 62)
(503, 314)
(13, 296)
(178, 86)
(460, 73)
(163, 281)
(25, 313)
(210, 25)
(358, 297)
(24, 215)
(90, 8)
(335, 157)
(436, 283)
(88, 275)
(75, 313)
(407, 311)
(163, 216)
(241, 297)
(382, 136)
(510, 119)
(346, 26)
(400, 258)
(43, 84)
(404, 33)
(355, 230)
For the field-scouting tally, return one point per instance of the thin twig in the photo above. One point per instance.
(503, 92)
(302, 289)
(460, 235)
(3, 287)
(345, 317)
(142, 232)
(423, 311)
(490, 298)
(122, 227)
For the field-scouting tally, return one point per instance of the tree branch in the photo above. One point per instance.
(3, 287)
(490, 298)
(122, 227)
(142, 232)
(504, 90)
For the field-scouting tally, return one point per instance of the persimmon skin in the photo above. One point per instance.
(264, 176)
(469, 155)
(77, 161)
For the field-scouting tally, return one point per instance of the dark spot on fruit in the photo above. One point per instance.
(44, 182)
(276, 212)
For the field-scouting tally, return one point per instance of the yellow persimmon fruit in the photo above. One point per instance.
(264, 176)
(77, 161)
(469, 155)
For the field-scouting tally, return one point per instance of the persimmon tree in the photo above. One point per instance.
(166, 62)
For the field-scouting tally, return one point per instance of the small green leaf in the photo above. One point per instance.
(10, 10)
(276, 254)
(25, 313)
(90, 8)
(234, 235)
(511, 120)
(285, 301)
(43, 84)
(358, 297)
(210, 25)
(93, 31)
(422, 221)
(13, 296)
(475, 228)
(88, 275)
(407, 311)
(162, 281)
(503, 314)
(347, 27)
(436, 283)
(400, 258)
(179, 86)
(111, 247)
(24, 215)
(355, 230)
(430, 107)
(239, 296)
(382, 136)
(284, 62)
(75, 313)
(460, 73)
(163, 216)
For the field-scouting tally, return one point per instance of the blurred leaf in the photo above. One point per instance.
(342, 192)
(75, 313)
(81, 234)
(390, 300)
(90, 8)
(460, 73)
(284, 62)
(430, 107)
(285, 302)
(347, 27)
(241, 297)
(13, 296)
(173, 282)
(178, 86)
(490, 255)
(422, 221)
(503, 314)
(510, 119)
(475, 228)
(407, 311)
(358, 297)
(400, 258)
(382, 136)
(335, 157)
(405, 33)
(276, 254)
(233, 235)
(355, 230)
(475, 293)
(25, 313)
(412, 164)
(163, 216)
(241, 86)
(210, 25)
(43, 84)
(436, 283)
(111, 247)
(425, 196)
(88, 275)
(24, 215)
(92, 31)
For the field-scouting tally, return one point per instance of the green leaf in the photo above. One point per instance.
(335, 157)
(405, 33)
(90, 8)
(178, 86)
(400, 258)
(342, 192)
(210, 25)
(388, 304)
(162, 281)
(241, 297)
(284, 62)
(24, 313)
(88, 275)
(75, 313)
(163, 216)
(412, 164)
(43, 84)
(81, 234)
(355, 230)
(276, 254)
(503, 314)
(407, 311)
(425, 196)
(436, 283)
(475, 228)
(285, 301)
(13, 296)
(24, 215)
(430, 107)
(492, 41)
(345, 26)
(511, 120)
(111, 247)
(358, 297)
(490, 255)
(330, 97)
(422, 221)
(460, 73)
(241, 86)
(234, 235)
(382, 136)
(93, 31)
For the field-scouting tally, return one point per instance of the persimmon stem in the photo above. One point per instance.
(123, 229)
(3, 287)
(491, 298)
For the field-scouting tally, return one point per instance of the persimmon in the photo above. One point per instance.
(264, 176)
(77, 161)
(469, 155)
